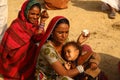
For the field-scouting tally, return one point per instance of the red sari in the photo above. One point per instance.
(18, 49)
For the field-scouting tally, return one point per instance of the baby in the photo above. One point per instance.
(75, 54)
(70, 53)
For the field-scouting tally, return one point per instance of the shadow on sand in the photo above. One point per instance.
(109, 65)
(88, 5)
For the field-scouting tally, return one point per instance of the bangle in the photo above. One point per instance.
(42, 25)
(80, 68)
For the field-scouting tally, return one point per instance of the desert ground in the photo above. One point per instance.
(88, 14)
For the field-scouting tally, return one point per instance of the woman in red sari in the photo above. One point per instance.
(18, 47)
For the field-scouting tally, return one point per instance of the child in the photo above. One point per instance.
(70, 53)
(82, 55)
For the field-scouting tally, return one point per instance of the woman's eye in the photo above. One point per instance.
(60, 32)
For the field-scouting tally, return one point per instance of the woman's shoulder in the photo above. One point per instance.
(47, 48)
(49, 53)
(47, 45)
(15, 23)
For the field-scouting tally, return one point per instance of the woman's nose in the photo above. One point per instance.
(36, 16)
(64, 35)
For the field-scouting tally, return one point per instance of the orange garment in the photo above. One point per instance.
(56, 4)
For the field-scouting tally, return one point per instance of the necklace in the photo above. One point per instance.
(57, 50)
(56, 47)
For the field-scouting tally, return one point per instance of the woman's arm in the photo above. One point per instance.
(44, 16)
(60, 69)
(40, 32)
(50, 55)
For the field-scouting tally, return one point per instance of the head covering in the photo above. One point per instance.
(25, 7)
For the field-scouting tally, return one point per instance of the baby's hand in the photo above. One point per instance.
(67, 65)
(93, 66)
(83, 36)
(85, 33)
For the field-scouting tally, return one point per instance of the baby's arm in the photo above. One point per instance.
(94, 61)
(83, 36)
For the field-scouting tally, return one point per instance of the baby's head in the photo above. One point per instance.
(70, 51)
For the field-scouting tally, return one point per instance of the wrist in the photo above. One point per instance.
(42, 20)
(80, 68)
(42, 25)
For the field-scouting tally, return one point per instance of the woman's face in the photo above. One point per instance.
(33, 15)
(71, 53)
(60, 34)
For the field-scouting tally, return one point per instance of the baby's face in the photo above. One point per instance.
(71, 53)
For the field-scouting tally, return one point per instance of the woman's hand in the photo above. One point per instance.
(44, 16)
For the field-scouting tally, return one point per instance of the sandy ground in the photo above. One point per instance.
(87, 14)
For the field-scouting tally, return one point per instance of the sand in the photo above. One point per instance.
(87, 14)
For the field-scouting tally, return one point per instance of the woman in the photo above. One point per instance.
(18, 47)
(50, 60)
(113, 6)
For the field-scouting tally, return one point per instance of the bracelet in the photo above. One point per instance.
(42, 25)
(80, 68)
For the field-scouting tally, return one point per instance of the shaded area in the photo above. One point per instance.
(116, 25)
(109, 65)
(88, 5)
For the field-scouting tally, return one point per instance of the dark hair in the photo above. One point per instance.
(35, 5)
(64, 20)
(71, 43)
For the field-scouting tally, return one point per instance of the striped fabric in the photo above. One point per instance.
(18, 49)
